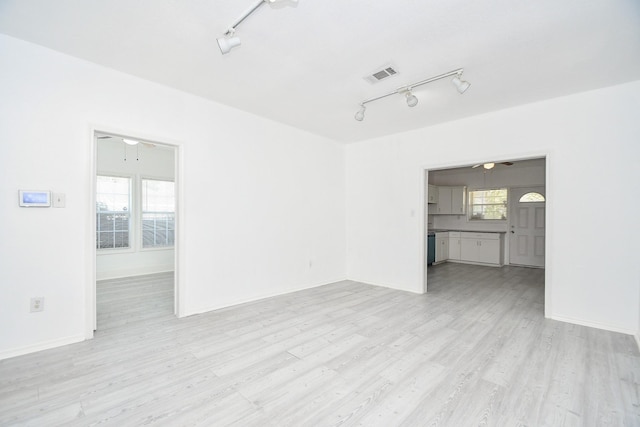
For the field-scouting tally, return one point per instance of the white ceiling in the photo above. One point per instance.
(303, 66)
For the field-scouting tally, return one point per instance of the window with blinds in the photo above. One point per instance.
(113, 212)
(158, 213)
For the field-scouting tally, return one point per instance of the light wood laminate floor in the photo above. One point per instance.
(475, 350)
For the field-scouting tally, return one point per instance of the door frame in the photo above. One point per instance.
(548, 248)
(90, 309)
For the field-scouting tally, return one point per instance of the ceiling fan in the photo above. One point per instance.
(491, 165)
(128, 141)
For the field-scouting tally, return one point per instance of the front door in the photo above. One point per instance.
(527, 229)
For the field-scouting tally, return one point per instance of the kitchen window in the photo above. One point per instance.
(158, 213)
(113, 212)
(488, 204)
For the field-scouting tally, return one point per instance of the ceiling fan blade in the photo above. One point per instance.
(507, 163)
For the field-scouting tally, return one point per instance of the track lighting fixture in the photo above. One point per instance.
(230, 40)
(461, 85)
(412, 100)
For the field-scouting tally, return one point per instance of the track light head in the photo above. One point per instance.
(227, 43)
(412, 100)
(360, 114)
(460, 84)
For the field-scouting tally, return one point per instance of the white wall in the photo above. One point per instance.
(142, 162)
(264, 204)
(263, 209)
(593, 172)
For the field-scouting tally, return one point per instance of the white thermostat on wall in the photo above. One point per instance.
(29, 198)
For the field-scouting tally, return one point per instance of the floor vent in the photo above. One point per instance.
(381, 74)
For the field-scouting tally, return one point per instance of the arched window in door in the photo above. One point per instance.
(532, 197)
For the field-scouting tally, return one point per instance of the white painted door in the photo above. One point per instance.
(527, 226)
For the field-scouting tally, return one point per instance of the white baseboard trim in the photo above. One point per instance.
(597, 325)
(45, 345)
(239, 301)
(386, 285)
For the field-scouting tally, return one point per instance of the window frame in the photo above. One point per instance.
(544, 199)
(141, 212)
(132, 226)
(470, 205)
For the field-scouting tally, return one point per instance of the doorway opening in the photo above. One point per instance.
(476, 219)
(135, 227)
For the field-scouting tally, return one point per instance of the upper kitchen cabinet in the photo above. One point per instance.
(451, 201)
(432, 196)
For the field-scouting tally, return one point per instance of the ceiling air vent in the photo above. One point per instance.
(381, 74)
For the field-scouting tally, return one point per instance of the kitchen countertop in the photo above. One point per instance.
(463, 231)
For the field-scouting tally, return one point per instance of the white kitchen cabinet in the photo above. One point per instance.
(483, 248)
(442, 247)
(458, 204)
(454, 245)
(432, 197)
(451, 201)
(444, 200)
(489, 251)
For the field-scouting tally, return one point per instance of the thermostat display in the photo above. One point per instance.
(35, 198)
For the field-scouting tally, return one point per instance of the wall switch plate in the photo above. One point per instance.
(58, 200)
(37, 304)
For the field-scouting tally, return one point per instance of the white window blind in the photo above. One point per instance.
(158, 213)
(113, 207)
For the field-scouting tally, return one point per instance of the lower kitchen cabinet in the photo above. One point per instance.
(442, 247)
(454, 245)
(484, 248)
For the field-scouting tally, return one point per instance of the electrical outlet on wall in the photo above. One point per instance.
(37, 304)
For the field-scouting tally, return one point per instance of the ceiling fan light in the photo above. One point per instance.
(461, 85)
(489, 165)
(360, 114)
(227, 43)
(130, 141)
(412, 100)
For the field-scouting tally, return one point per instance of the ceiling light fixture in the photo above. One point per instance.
(230, 40)
(412, 100)
(489, 165)
(460, 84)
(130, 141)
